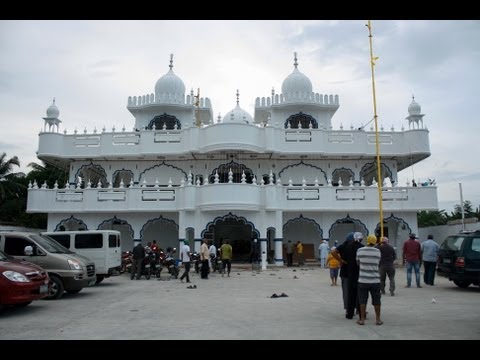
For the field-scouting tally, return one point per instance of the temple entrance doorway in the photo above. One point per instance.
(239, 232)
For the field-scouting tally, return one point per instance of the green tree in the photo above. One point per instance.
(467, 209)
(9, 186)
(50, 174)
(431, 218)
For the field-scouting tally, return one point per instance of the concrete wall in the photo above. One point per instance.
(442, 231)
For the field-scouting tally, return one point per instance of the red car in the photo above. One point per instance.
(21, 282)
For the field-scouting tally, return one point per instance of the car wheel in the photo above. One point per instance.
(76, 291)
(99, 279)
(56, 288)
(462, 283)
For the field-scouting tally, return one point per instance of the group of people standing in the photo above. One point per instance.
(226, 253)
(360, 275)
(364, 269)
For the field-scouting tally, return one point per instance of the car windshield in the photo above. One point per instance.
(453, 243)
(50, 245)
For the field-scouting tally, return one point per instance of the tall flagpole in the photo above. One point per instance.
(375, 116)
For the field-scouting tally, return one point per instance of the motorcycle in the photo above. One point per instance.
(170, 262)
(126, 262)
(216, 263)
(195, 259)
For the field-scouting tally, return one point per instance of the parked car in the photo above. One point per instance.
(67, 271)
(101, 246)
(459, 259)
(21, 282)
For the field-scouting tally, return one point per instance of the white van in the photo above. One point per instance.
(101, 246)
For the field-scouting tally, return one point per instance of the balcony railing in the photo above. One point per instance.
(230, 196)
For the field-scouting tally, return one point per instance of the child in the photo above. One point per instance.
(334, 265)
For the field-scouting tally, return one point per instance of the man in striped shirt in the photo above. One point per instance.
(368, 259)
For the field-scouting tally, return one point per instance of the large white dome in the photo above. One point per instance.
(52, 111)
(169, 85)
(414, 108)
(238, 115)
(296, 82)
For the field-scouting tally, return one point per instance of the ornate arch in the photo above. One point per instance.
(347, 220)
(97, 172)
(394, 218)
(344, 178)
(160, 218)
(369, 171)
(116, 182)
(304, 164)
(237, 170)
(61, 225)
(301, 218)
(169, 120)
(116, 221)
(230, 216)
(301, 121)
(163, 163)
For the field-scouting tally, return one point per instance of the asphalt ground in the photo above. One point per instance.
(240, 307)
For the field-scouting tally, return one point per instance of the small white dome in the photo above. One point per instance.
(52, 111)
(414, 108)
(296, 82)
(238, 115)
(170, 85)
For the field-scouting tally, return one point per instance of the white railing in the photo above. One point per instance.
(225, 196)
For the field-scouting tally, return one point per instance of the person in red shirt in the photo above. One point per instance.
(412, 252)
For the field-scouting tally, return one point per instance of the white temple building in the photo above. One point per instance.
(284, 174)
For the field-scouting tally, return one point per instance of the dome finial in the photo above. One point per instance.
(295, 63)
(238, 97)
(413, 97)
(171, 62)
(54, 100)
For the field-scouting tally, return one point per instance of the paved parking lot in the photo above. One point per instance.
(240, 307)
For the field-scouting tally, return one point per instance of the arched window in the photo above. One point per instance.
(237, 171)
(344, 174)
(93, 173)
(122, 175)
(301, 121)
(369, 172)
(168, 120)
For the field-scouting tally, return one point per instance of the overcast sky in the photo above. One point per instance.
(91, 67)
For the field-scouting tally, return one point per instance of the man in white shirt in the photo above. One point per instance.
(212, 250)
(185, 257)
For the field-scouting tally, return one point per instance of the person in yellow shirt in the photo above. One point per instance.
(334, 265)
(301, 259)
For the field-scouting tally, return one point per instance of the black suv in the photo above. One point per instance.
(459, 259)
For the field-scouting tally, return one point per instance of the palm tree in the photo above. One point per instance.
(47, 173)
(467, 210)
(431, 218)
(8, 184)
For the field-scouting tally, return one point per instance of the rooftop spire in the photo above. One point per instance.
(54, 100)
(238, 97)
(413, 97)
(171, 62)
(295, 58)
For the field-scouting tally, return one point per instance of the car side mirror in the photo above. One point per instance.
(28, 251)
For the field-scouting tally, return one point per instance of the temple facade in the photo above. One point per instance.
(284, 174)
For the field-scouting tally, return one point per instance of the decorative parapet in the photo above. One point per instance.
(312, 98)
(165, 98)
